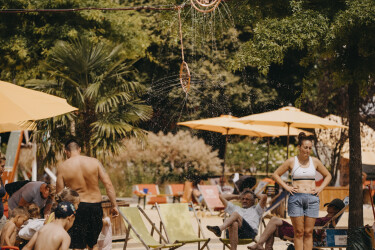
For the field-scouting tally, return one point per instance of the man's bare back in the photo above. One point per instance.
(82, 174)
(54, 236)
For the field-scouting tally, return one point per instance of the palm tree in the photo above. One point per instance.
(95, 78)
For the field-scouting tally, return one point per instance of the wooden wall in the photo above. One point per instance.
(330, 193)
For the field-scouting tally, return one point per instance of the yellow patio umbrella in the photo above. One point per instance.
(7, 126)
(289, 117)
(19, 104)
(226, 125)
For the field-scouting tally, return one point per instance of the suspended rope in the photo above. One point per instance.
(184, 68)
(158, 7)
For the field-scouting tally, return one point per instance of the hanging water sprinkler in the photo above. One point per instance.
(205, 6)
(184, 68)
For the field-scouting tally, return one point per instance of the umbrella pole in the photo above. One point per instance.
(225, 152)
(287, 142)
(268, 154)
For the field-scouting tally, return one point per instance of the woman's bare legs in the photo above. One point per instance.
(308, 233)
(268, 233)
(299, 230)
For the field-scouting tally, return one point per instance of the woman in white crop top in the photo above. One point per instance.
(303, 202)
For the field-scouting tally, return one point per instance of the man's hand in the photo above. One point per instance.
(114, 212)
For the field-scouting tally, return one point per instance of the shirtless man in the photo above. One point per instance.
(82, 174)
(53, 236)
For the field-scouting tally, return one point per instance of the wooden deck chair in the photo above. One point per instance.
(211, 198)
(175, 190)
(135, 226)
(260, 187)
(153, 195)
(188, 191)
(226, 241)
(175, 221)
(281, 197)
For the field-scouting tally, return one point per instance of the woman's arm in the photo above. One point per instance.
(326, 175)
(280, 171)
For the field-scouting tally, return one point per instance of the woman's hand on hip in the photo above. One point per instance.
(316, 191)
(292, 190)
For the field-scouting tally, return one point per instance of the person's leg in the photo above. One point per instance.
(298, 226)
(268, 233)
(96, 247)
(269, 242)
(308, 233)
(233, 235)
(234, 217)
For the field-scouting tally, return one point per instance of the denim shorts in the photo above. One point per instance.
(301, 204)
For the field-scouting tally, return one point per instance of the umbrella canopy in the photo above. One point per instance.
(226, 125)
(7, 127)
(290, 117)
(22, 104)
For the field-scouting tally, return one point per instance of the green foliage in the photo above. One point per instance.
(246, 153)
(160, 158)
(26, 39)
(96, 79)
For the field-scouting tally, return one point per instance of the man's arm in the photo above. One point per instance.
(103, 176)
(30, 245)
(23, 203)
(227, 197)
(59, 180)
(262, 200)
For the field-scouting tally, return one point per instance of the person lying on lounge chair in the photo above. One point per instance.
(243, 222)
(280, 228)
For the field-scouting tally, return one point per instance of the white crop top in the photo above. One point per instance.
(301, 173)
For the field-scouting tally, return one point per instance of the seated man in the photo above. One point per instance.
(243, 222)
(280, 228)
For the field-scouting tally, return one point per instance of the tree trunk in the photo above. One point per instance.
(355, 163)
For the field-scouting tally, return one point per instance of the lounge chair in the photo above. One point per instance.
(211, 198)
(136, 227)
(176, 191)
(261, 186)
(226, 241)
(153, 195)
(275, 203)
(175, 221)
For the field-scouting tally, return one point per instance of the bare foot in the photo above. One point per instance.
(256, 247)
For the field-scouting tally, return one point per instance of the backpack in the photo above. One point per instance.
(290, 247)
(13, 187)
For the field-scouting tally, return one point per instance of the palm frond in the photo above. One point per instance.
(107, 103)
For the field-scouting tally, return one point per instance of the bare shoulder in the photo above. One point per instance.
(316, 161)
(290, 162)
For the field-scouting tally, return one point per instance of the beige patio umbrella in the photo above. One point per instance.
(289, 117)
(7, 126)
(19, 104)
(226, 125)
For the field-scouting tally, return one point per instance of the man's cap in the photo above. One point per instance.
(64, 209)
(339, 204)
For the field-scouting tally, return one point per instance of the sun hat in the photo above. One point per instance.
(336, 203)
